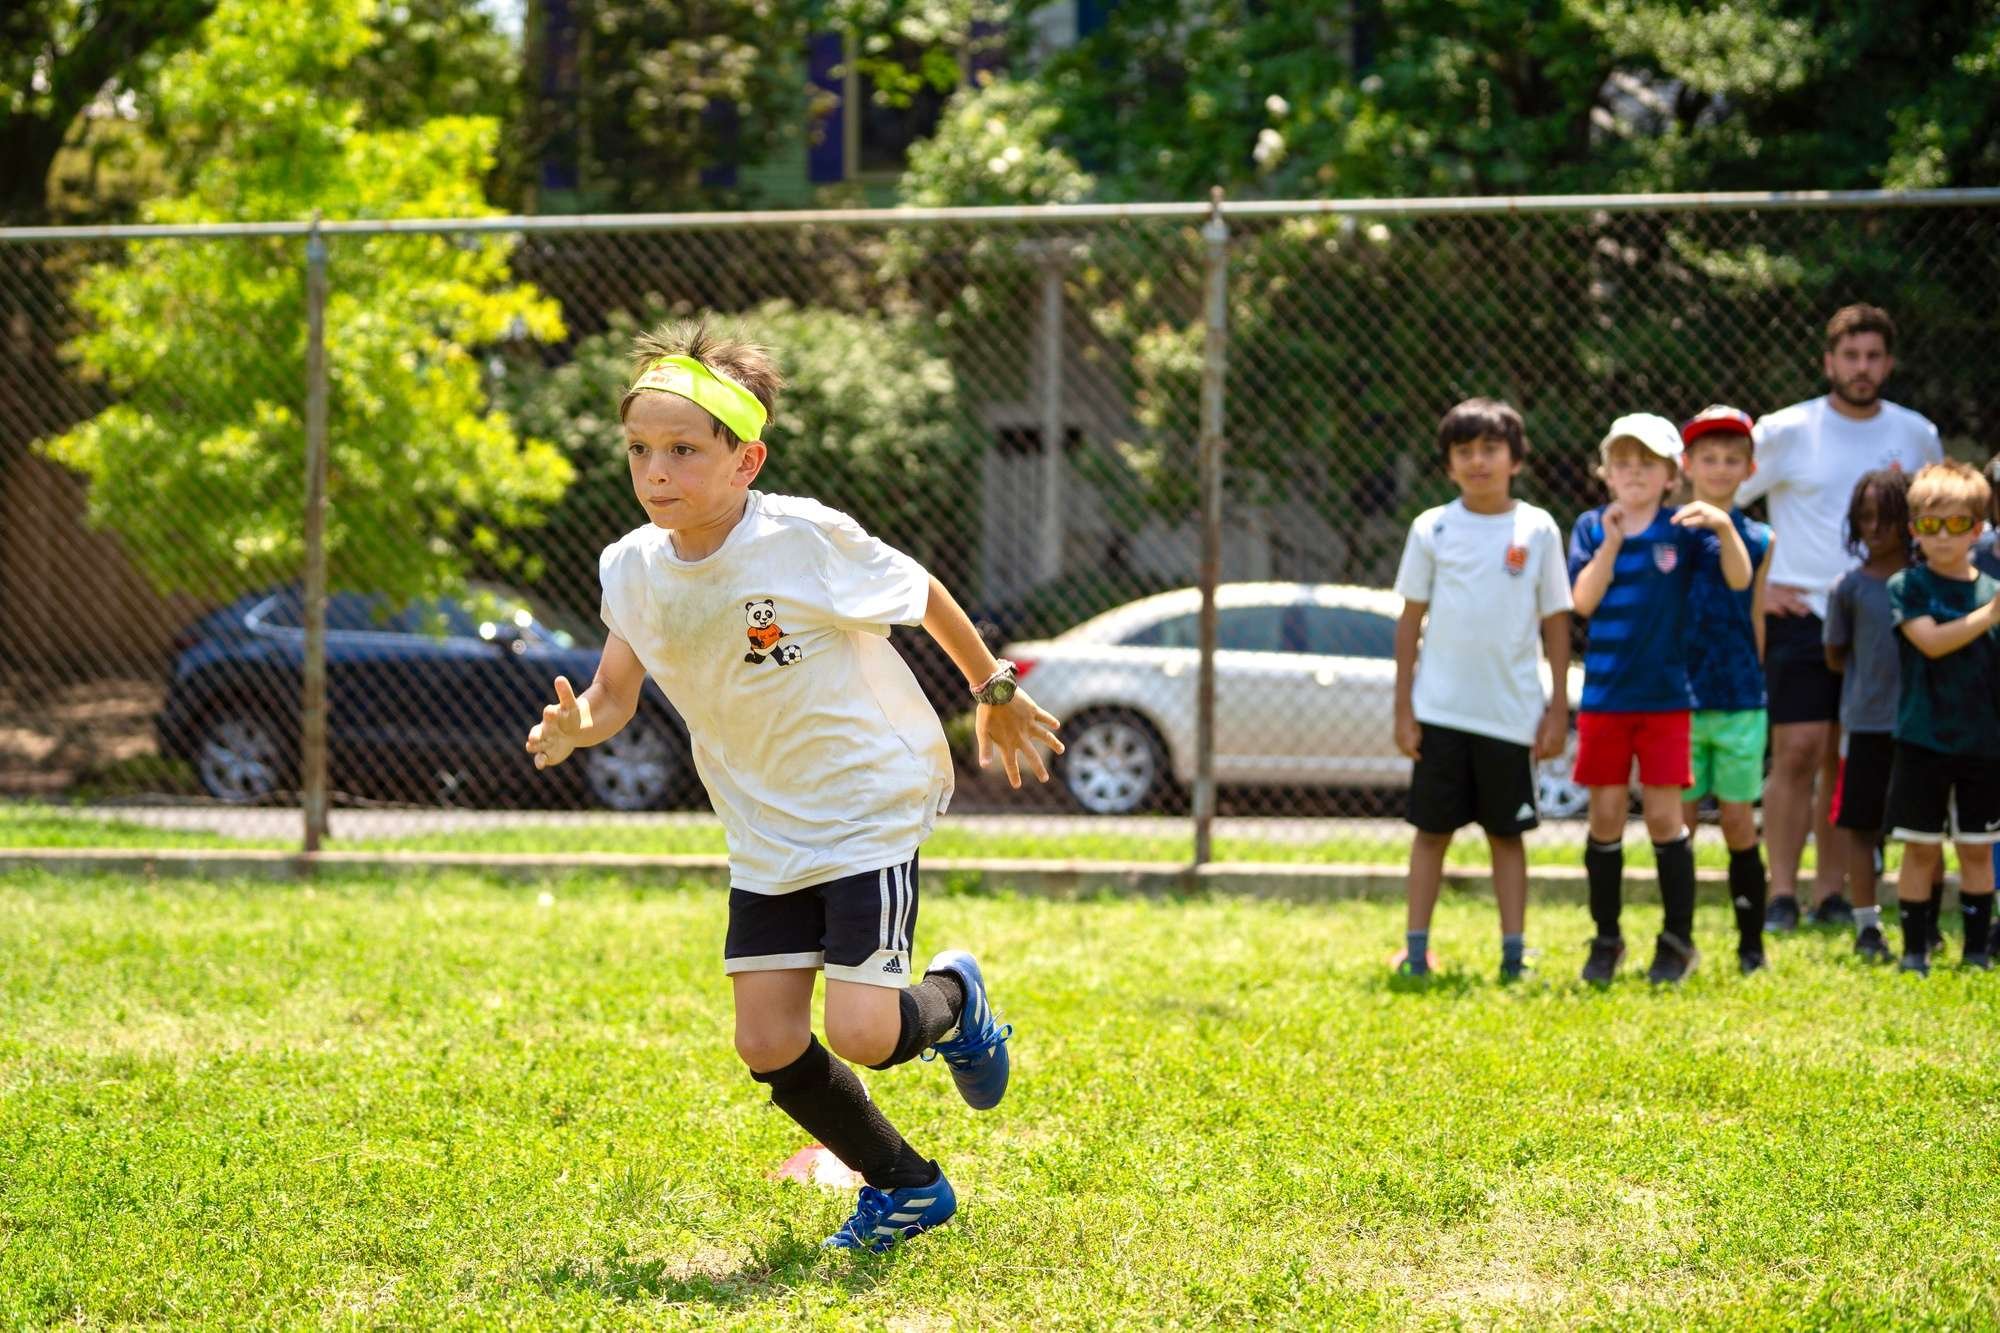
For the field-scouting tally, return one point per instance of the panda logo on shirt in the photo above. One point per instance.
(764, 633)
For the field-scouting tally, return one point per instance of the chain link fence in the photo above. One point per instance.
(1015, 398)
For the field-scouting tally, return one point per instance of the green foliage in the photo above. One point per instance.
(871, 423)
(199, 464)
(993, 145)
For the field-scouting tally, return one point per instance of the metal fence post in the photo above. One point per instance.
(1050, 356)
(1214, 354)
(312, 706)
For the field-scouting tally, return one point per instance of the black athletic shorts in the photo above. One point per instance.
(1935, 796)
(1461, 777)
(1861, 799)
(857, 928)
(1796, 678)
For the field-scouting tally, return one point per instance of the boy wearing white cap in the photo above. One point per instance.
(1631, 564)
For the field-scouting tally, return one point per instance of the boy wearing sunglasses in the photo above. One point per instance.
(1944, 780)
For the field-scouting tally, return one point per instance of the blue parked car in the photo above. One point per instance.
(432, 702)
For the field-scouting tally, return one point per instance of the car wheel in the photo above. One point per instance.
(1112, 763)
(638, 769)
(240, 757)
(1557, 794)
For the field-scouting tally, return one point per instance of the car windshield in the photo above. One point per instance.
(490, 607)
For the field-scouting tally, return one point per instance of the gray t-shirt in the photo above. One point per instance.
(1858, 618)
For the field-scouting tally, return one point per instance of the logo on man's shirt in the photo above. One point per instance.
(1665, 556)
(1517, 560)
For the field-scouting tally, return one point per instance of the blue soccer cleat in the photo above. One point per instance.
(887, 1217)
(978, 1054)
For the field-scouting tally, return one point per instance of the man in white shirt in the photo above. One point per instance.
(1809, 456)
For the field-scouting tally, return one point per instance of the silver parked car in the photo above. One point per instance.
(1305, 678)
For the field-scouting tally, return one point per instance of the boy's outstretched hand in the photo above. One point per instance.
(1553, 735)
(553, 739)
(1014, 728)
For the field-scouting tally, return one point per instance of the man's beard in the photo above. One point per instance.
(1844, 390)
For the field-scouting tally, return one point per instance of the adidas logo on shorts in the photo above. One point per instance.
(894, 967)
(1525, 812)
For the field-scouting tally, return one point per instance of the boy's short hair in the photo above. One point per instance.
(1482, 419)
(1859, 318)
(728, 351)
(1951, 485)
(1891, 488)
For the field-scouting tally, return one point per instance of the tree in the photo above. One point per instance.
(198, 464)
(57, 57)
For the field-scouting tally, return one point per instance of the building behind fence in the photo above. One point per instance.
(1014, 396)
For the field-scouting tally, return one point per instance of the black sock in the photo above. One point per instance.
(1747, 888)
(1978, 914)
(830, 1104)
(1604, 865)
(1915, 922)
(1674, 863)
(930, 1009)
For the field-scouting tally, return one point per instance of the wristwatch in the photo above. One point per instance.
(1000, 686)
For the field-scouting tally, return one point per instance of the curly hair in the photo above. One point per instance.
(1890, 487)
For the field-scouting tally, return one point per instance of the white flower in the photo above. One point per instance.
(1372, 84)
(1270, 148)
(1013, 153)
(1277, 106)
(545, 899)
(997, 165)
(1378, 233)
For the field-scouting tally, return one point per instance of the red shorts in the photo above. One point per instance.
(1607, 743)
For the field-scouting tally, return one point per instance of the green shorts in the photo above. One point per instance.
(1728, 758)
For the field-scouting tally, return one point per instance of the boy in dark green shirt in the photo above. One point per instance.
(1945, 779)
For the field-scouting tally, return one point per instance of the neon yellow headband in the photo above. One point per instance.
(722, 397)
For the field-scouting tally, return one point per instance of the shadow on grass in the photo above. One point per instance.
(780, 1263)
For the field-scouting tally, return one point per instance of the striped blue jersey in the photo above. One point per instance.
(1635, 660)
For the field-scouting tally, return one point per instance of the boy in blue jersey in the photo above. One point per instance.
(1725, 646)
(1631, 563)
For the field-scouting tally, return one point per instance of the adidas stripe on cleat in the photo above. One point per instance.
(976, 1050)
(883, 1218)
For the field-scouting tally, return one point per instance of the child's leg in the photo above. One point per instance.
(1861, 876)
(1747, 886)
(1975, 896)
(1510, 882)
(1915, 905)
(1604, 858)
(1426, 874)
(1673, 858)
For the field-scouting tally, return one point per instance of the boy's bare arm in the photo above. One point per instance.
(1594, 579)
(1013, 728)
(597, 715)
(1409, 628)
(1836, 658)
(1736, 571)
(1554, 731)
(1934, 639)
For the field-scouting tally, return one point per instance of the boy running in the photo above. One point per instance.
(1945, 778)
(1861, 644)
(1631, 562)
(765, 619)
(1483, 584)
(1725, 645)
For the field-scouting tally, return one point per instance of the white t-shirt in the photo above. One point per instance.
(819, 751)
(1808, 458)
(1490, 579)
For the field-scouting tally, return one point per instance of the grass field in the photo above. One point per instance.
(459, 1101)
(34, 826)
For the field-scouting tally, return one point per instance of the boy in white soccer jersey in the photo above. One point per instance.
(1484, 584)
(764, 619)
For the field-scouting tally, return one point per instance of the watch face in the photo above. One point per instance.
(1001, 692)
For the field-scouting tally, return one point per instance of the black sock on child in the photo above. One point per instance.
(1978, 914)
(1914, 919)
(827, 1100)
(1747, 890)
(930, 1009)
(1674, 862)
(1604, 865)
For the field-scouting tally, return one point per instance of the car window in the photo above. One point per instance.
(344, 611)
(1242, 629)
(1344, 631)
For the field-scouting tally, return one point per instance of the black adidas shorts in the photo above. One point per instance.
(857, 928)
(1935, 796)
(1461, 777)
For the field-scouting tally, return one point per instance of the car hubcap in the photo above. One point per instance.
(631, 770)
(239, 760)
(1110, 768)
